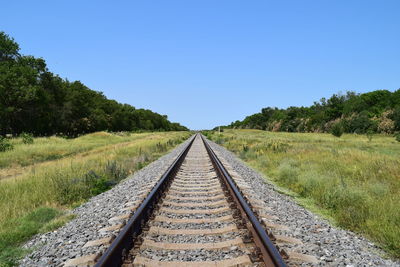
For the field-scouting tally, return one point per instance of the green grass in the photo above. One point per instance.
(22, 229)
(35, 200)
(352, 180)
(50, 148)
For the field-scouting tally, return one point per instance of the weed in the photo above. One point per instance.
(27, 138)
(5, 144)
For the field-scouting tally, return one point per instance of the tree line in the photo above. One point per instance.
(373, 112)
(34, 100)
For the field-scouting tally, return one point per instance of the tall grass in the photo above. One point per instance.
(50, 148)
(59, 184)
(355, 179)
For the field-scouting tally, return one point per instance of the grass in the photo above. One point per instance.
(354, 180)
(57, 174)
(51, 148)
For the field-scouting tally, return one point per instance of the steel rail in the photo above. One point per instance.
(269, 253)
(114, 255)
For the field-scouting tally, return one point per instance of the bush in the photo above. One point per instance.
(97, 184)
(361, 123)
(395, 116)
(337, 130)
(27, 138)
(5, 144)
(397, 137)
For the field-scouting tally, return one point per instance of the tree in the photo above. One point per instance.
(395, 116)
(9, 49)
(358, 112)
(34, 100)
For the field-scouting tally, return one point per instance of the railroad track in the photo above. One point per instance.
(196, 215)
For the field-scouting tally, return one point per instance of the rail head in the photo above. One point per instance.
(269, 253)
(113, 256)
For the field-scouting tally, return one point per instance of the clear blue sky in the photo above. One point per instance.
(209, 62)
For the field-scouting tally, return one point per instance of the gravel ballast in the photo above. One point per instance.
(54, 248)
(330, 245)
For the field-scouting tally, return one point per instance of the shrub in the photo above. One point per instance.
(361, 123)
(397, 137)
(98, 184)
(395, 116)
(5, 144)
(337, 130)
(27, 138)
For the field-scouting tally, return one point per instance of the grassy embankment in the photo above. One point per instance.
(39, 182)
(351, 180)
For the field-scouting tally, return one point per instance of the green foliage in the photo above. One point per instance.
(56, 223)
(41, 103)
(288, 173)
(5, 144)
(97, 183)
(395, 116)
(359, 113)
(337, 129)
(90, 184)
(21, 230)
(8, 48)
(360, 123)
(26, 138)
(397, 137)
(9, 255)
